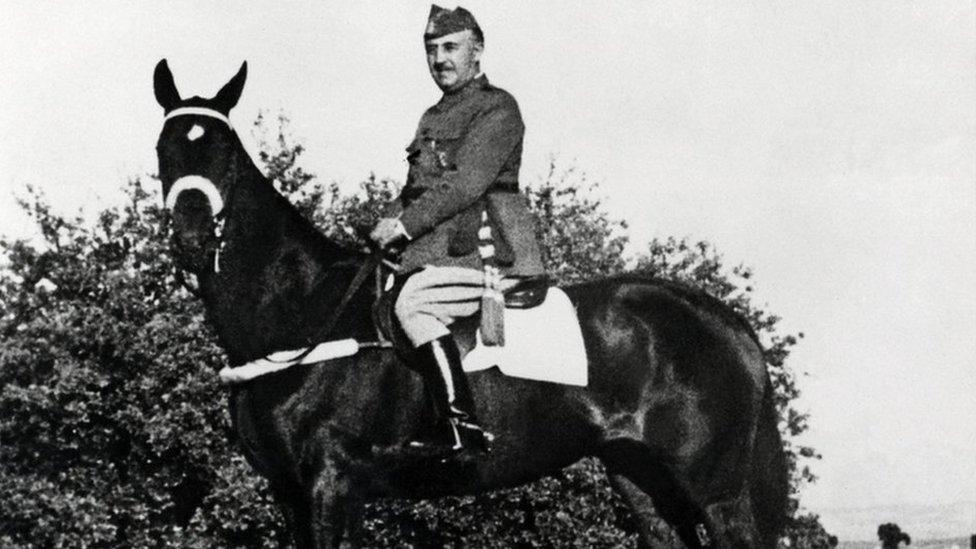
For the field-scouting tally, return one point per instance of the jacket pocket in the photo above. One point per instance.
(443, 146)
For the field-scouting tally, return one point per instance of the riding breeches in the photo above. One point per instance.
(435, 297)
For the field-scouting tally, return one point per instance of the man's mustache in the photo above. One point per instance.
(443, 67)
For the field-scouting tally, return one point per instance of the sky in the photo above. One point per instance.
(829, 145)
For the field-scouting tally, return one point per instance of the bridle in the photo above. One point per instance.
(219, 215)
(203, 185)
(199, 111)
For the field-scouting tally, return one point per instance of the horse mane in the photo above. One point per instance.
(310, 230)
(307, 230)
(302, 273)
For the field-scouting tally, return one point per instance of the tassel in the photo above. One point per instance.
(492, 310)
(492, 301)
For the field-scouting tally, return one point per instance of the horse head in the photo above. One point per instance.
(200, 159)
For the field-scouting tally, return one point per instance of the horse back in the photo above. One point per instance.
(687, 333)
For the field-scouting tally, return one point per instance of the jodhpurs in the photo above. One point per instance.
(435, 297)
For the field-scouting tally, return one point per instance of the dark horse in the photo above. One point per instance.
(679, 405)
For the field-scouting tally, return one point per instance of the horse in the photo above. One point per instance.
(678, 405)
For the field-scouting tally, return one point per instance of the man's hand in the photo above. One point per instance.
(387, 231)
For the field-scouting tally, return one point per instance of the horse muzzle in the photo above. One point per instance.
(197, 235)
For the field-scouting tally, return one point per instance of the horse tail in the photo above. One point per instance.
(769, 482)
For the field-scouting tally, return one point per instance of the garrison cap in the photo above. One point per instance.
(442, 22)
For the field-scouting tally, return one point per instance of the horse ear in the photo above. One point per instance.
(227, 97)
(165, 88)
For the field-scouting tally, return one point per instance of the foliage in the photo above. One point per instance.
(113, 431)
(806, 532)
(575, 508)
(891, 536)
(579, 240)
(345, 218)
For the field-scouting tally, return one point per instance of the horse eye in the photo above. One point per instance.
(196, 132)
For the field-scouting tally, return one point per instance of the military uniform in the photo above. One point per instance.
(464, 159)
(464, 164)
(469, 233)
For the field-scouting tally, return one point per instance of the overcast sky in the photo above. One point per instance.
(830, 145)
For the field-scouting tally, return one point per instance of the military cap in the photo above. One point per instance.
(442, 22)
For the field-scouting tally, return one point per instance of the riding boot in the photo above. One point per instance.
(455, 426)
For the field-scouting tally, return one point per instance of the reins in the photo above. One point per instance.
(372, 263)
(318, 349)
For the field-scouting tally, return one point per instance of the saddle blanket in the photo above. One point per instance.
(544, 343)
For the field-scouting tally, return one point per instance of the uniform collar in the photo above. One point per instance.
(450, 99)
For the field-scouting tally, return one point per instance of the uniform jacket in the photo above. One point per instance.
(465, 159)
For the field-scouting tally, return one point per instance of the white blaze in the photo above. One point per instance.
(196, 132)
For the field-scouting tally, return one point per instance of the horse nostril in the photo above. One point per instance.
(188, 241)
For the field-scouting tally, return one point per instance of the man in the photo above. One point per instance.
(465, 228)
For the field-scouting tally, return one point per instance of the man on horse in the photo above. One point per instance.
(465, 229)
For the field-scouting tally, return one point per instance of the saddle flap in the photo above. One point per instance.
(544, 343)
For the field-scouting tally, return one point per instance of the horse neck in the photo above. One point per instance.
(277, 271)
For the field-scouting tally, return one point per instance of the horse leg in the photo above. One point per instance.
(643, 508)
(725, 524)
(297, 513)
(646, 485)
(299, 523)
(337, 511)
(733, 522)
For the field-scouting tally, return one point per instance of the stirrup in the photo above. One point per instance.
(460, 435)
(468, 434)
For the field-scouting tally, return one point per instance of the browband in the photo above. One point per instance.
(200, 111)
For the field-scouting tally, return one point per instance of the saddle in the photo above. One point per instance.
(527, 293)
